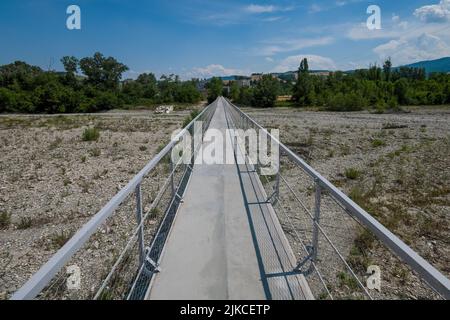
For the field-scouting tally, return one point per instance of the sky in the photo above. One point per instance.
(204, 38)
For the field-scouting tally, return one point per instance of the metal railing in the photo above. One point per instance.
(123, 270)
(317, 234)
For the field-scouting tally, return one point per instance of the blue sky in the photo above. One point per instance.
(202, 38)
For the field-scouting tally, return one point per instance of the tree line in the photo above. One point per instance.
(377, 87)
(29, 89)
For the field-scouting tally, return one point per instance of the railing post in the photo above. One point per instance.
(139, 220)
(318, 196)
(172, 173)
(277, 184)
(193, 146)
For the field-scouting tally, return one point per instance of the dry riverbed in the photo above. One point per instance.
(396, 166)
(52, 182)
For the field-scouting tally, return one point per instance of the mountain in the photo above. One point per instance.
(439, 65)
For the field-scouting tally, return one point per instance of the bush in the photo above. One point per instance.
(393, 104)
(5, 220)
(352, 173)
(194, 114)
(25, 223)
(346, 102)
(90, 134)
(378, 143)
(265, 93)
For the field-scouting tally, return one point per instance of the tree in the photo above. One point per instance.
(387, 69)
(304, 68)
(234, 91)
(447, 93)
(215, 88)
(374, 73)
(266, 91)
(245, 96)
(149, 85)
(303, 87)
(70, 64)
(103, 72)
(187, 93)
(401, 90)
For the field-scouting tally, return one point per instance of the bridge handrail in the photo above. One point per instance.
(46, 273)
(430, 274)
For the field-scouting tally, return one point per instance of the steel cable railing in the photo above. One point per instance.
(133, 256)
(323, 194)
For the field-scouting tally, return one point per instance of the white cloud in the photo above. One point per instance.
(315, 63)
(214, 70)
(315, 8)
(237, 14)
(434, 13)
(408, 50)
(395, 28)
(269, 59)
(286, 45)
(272, 19)
(256, 8)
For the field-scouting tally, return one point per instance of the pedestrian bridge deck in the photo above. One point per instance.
(226, 241)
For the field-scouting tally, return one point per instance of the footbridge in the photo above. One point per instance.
(184, 228)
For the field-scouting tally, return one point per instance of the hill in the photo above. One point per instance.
(438, 65)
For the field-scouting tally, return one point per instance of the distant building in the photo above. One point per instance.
(256, 76)
(244, 82)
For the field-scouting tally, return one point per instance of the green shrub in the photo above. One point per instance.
(378, 143)
(5, 220)
(347, 280)
(194, 113)
(90, 134)
(25, 223)
(96, 152)
(346, 102)
(352, 173)
(393, 103)
(59, 239)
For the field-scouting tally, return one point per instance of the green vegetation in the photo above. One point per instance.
(90, 134)
(5, 220)
(381, 88)
(95, 152)
(378, 143)
(25, 223)
(194, 113)
(26, 88)
(154, 213)
(215, 89)
(59, 239)
(352, 173)
(265, 92)
(347, 280)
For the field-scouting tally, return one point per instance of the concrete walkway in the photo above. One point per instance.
(223, 247)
